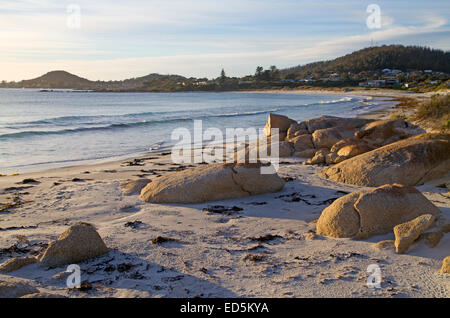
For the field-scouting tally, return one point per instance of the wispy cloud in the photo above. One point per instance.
(198, 38)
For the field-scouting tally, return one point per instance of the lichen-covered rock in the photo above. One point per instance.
(383, 132)
(326, 138)
(16, 263)
(211, 183)
(324, 122)
(78, 243)
(364, 213)
(406, 233)
(409, 162)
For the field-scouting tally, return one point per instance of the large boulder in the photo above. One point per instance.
(326, 138)
(302, 142)
(406, 233)
(324, 122)
(364, 213)
(410, 162)
(78, 243)
(295, 130)
(212, 183)
(282, 123)
(383, 132)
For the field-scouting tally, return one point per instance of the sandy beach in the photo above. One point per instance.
(266, 248)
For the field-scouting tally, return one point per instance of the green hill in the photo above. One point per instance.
(377, 58)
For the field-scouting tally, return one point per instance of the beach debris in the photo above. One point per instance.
(134, 224)
(16, 189)
(364, 213)
(134, 162)
(212, 183)
(109, 171)
(265, 238)
(134, 186)
(16, 263)
(255, 257)
(17, 201)
(445, 269)
(222, 209)
(163, 239)
(400, 162)
(29, 180)
(77, 180)
(406, 233)
(257, 203)
(78, 243)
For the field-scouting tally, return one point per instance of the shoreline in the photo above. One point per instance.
(383, 111)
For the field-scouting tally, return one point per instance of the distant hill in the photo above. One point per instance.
(66, 80)
(57, 79)
(376, 58)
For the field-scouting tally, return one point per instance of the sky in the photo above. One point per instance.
(113, 40)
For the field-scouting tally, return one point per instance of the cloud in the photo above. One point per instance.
(197, 38)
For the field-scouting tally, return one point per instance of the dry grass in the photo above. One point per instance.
(434, 112)
(437, 110)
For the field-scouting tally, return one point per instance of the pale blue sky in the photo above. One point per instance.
(122, 39)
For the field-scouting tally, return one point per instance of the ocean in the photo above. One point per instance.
(41, 130)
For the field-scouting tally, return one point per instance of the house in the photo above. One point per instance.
(373, 83)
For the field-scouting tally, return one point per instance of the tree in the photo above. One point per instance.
(259, 71)
(223, 76)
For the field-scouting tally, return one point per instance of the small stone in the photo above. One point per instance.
(16, 263)
(432, 239)
(407, 233)
(445, 269)
(385, 245)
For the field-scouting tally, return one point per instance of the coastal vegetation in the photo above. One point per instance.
(412, 68)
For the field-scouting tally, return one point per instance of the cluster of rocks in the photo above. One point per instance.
(393, 207)
(362, 151)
